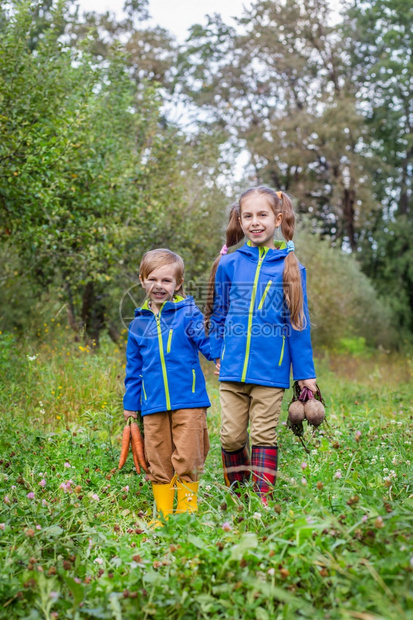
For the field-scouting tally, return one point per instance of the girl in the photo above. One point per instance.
(259, 326)
(164, 382)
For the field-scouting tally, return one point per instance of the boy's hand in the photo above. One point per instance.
(127, 414)
(311, 384)
(217, 366)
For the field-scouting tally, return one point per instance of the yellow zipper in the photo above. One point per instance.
(168, 346)
(223, 353)
(193, 379)
(267, 288)
(282, 352)
(162, 356)
(251, 310)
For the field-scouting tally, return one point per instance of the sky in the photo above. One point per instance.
(176, 15)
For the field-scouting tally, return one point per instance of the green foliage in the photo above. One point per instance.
(353, 346)
(92, 178)
(22, 302)
(391, 270)
(72, 139)
(379, 40)
(343, 303)
(336, 539)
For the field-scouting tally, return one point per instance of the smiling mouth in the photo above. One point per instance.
(257, 232)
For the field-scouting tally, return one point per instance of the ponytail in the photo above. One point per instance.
(234, 234)
(292, 286)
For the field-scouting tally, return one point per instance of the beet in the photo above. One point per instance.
(314, 412)
(296, 412)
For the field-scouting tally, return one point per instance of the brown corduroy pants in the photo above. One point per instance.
(176, 442)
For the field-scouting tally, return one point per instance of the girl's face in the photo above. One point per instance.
(258, 220)
(161, 284)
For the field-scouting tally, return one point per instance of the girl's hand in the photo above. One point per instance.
(127, 414)
(217, 366)
(311, 384)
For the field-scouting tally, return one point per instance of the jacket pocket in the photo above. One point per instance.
(143, 388)
(264, 295)
(193, 380)
(282, 352)
(168, 346)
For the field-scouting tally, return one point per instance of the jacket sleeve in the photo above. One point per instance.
(301, 351)
(196, 332)
(220, 310)
(133, 379)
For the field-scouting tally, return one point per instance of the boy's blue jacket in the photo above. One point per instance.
(250, 328)
(162, 363)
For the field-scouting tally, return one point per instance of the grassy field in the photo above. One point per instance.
(336, 541)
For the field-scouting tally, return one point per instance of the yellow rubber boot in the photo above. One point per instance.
(187, 496)
(164, 495)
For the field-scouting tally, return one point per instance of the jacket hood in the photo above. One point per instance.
(177, 303)
(251, 252)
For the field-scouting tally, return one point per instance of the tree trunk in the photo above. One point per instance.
(349, 199)
(114, 334)
(93, 315)
(71, 313)
(404, 206)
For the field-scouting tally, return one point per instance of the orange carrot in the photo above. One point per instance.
(139, 446)
(125, 445)
(135, 456)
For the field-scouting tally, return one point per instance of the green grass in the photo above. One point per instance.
(336, 541)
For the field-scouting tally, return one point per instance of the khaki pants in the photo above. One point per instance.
(176, 442)
(245, 402)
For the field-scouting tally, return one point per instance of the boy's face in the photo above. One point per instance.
(160, 285)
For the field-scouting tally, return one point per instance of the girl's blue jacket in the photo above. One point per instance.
(163, 370)
(250, 329)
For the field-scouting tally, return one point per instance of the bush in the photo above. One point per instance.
(342, 300)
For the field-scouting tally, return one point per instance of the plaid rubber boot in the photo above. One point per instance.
(264, 470)
(236, 467)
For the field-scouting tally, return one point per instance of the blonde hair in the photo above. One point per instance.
(292, 287)
(159, 258)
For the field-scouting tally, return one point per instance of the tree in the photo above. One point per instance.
(73, 144)
(150, 52)
(380, 45)
(93, 174)
(280, 83)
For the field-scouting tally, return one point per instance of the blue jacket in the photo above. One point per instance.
(250, 325)
(163, 370)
